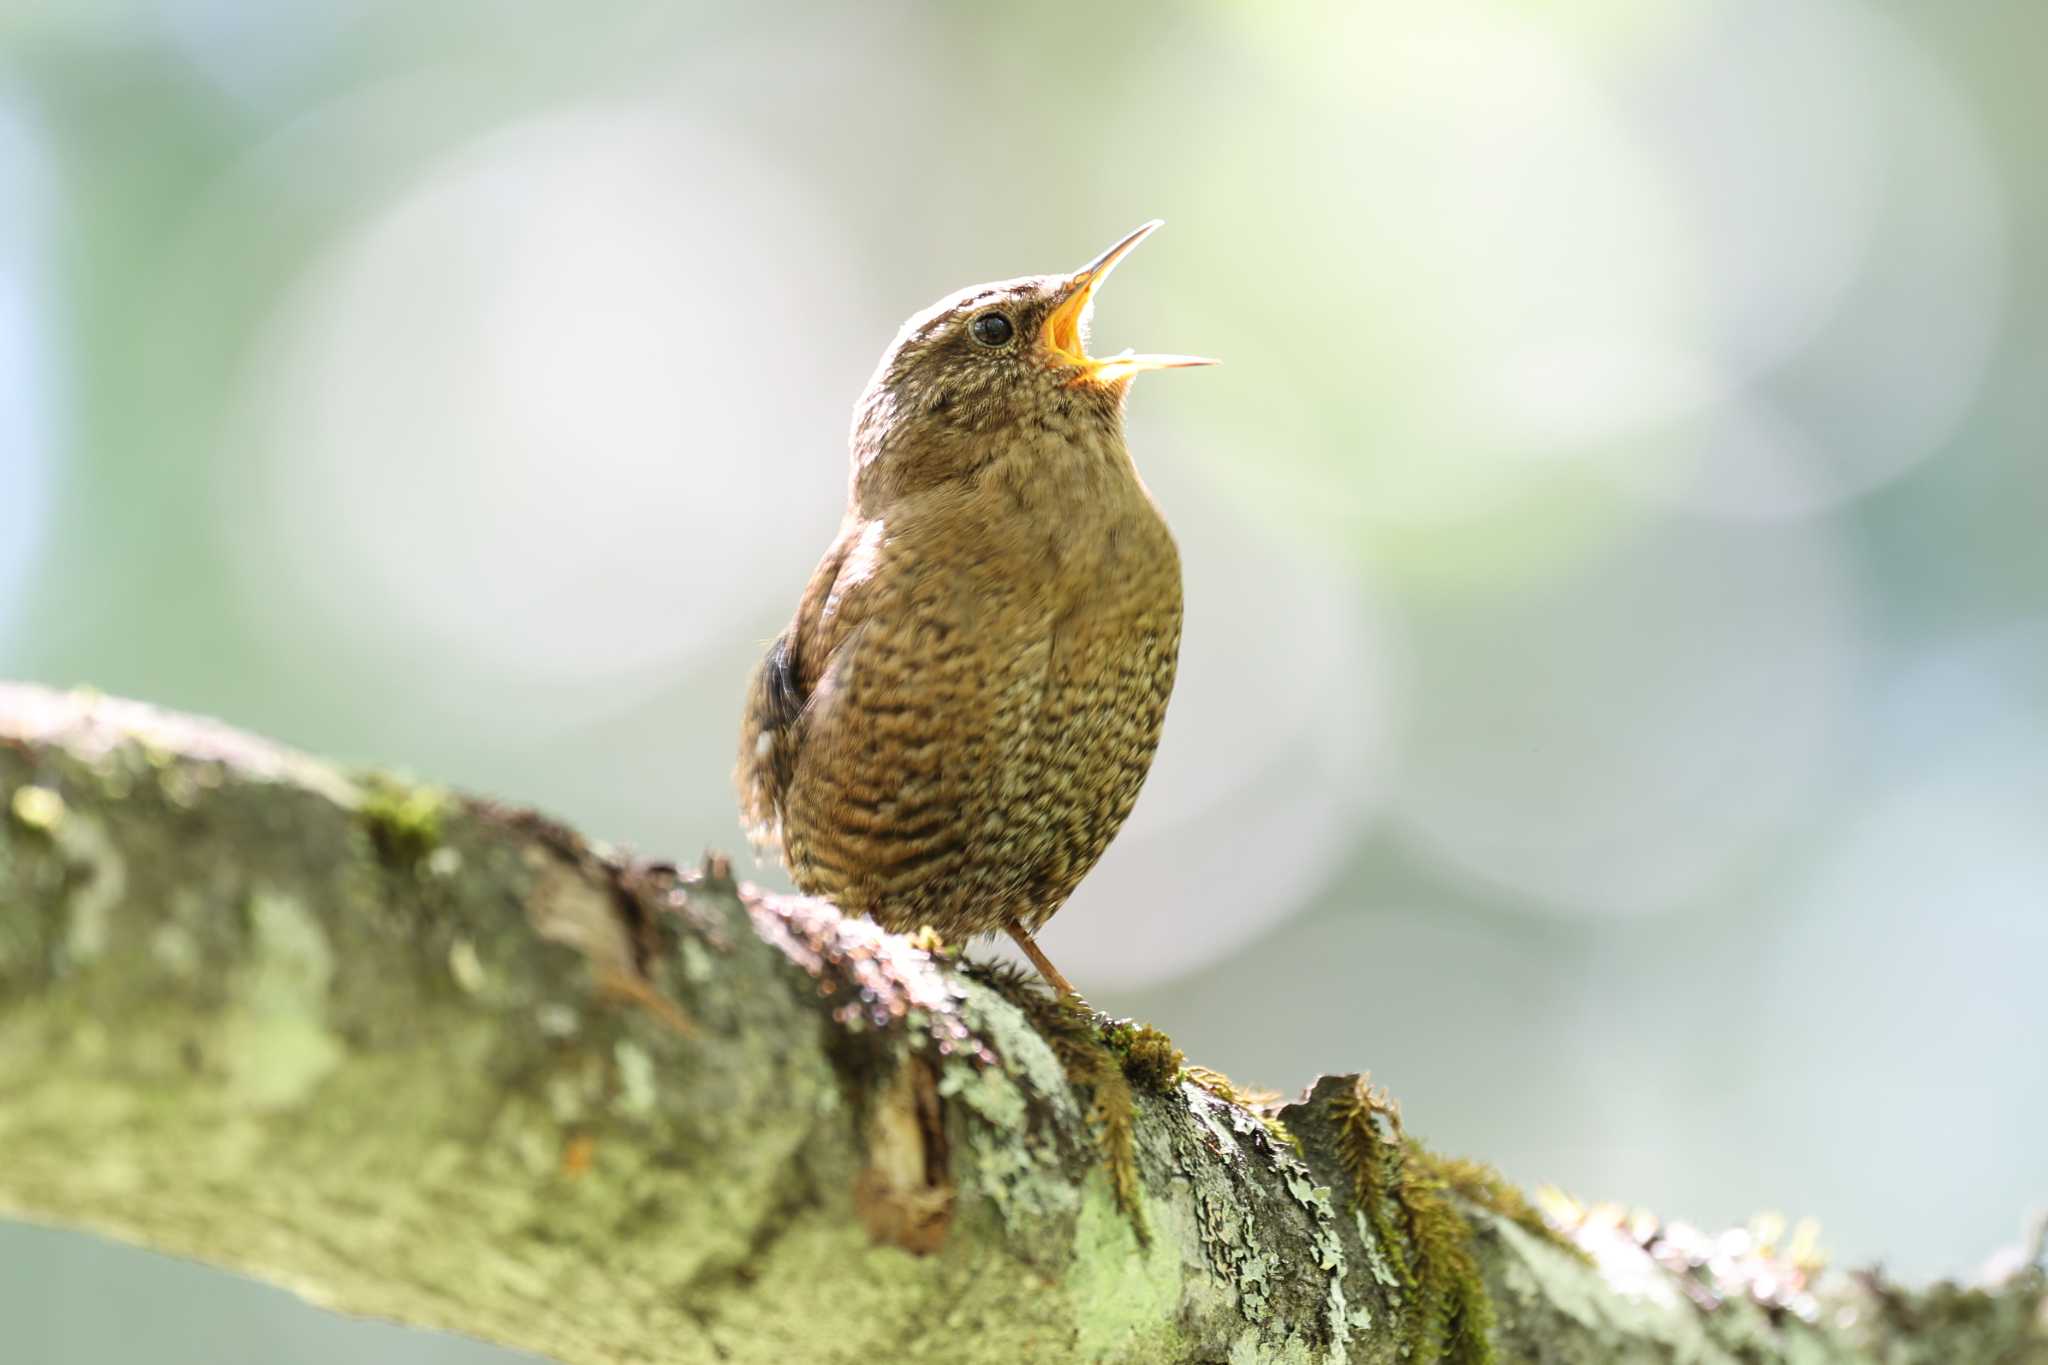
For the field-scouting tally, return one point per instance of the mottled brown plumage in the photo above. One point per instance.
(959, 718)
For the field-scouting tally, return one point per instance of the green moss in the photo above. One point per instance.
(1068, 1026)
(1367, 1158)
(404, 821)
(1477, 1183)
(1150, 1060)
(1403, 1194)
(1452, 1317)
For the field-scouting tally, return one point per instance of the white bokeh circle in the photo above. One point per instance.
(1615, 737)
(1841, 199)
(1488, 248)
(1472, 270)
(1917, 932)
(556, 418)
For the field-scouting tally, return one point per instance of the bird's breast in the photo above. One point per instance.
(1075, 522)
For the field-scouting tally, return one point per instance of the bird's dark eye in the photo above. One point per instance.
(992, 329)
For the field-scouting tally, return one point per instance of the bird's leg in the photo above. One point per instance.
(1041, 961)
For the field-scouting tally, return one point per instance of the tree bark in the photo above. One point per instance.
(442, 1061)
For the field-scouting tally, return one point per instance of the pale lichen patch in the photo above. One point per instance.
(466, 967)
(698, 969)
(275, 1043)
(1021, 1178)
(1530, 1274)
(1117, 1282)
(637, 1094)
(277, 1064)
(173, 948)
(557, 1020)
(536, 1145)
(1022, 1186)
(1226, 1230)
(101, 881)
(1329, 1248)
(93, 871)
(1644, 1308)
(1375, 1257)
(1023, 1051)
(1253, 1348)
(575, 1090)
(1020, 1174)
(989, 1093)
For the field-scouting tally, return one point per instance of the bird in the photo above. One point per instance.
(960, 716)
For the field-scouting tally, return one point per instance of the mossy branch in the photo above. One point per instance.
(430, 1058)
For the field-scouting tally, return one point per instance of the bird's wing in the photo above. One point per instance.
(932, 651)
(771, 730)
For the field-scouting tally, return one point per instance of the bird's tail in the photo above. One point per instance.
(768, 741)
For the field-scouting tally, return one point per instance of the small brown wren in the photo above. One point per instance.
(959, 718)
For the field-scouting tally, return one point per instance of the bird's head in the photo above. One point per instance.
(987, 363)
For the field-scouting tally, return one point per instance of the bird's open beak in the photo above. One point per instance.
(1062, 334)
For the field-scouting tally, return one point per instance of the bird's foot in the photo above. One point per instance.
(1039, 960)
(1146, 1056)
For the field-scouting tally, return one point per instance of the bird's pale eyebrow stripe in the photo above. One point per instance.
(950, 312)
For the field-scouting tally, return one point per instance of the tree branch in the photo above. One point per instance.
(442, 1061)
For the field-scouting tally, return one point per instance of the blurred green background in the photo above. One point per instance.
(1615, 698)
